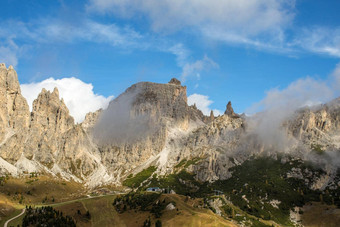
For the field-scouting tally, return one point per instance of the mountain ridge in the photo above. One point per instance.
(149, 124)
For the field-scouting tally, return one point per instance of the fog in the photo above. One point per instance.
(268, 116)
(120, 123)
(125, 122)
(280, 105)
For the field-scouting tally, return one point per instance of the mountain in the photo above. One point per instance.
(149, 124)
(150, 136)
(45, 140)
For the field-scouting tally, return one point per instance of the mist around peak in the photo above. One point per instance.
(121, 123)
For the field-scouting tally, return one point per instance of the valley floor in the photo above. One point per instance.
(187, 213)
(258, 194)
(103, 213)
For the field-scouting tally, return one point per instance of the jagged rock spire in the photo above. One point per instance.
(14, 110)
(51, 112)
(230, 111)
(212, 117)
(56, 92)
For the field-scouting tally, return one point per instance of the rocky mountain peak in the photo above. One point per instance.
(175, 81)
(212, 117)
(49, 110)
(55, 92)
(14, 111)
(9, 79)
(156, 100)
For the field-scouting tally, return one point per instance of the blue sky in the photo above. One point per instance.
(238, 50)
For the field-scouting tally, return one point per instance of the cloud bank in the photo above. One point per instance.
(78, 95)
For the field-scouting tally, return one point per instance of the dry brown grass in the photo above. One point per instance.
(320, 215)
(35, 190)
(102, 211)
(187, 215)
(72, 210)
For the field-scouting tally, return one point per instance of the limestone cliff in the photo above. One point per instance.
(14, 110)
(14, 113)
(45, 140)
(149, 124)
(135, 127)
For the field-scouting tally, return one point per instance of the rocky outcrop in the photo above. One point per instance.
(14, 113)
(175, 81)
(14, 110)
(230, 111)
(212, 117)
(317, 126)
(90, 120)
(212, 145)
(50, 113)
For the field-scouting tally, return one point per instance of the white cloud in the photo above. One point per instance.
(180, 52)
(246, 16)
(47, 31)
(261, 24)
(50, 30)
(299, 93)
(258, 23)
(273, 41)
(202, 103)
(321, 40)
(9, 52)
(195, 68)
(78, 95)
(335, 80)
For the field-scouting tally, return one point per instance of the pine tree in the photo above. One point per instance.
(158, 223)
(321, 198)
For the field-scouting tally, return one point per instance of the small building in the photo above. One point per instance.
(217, 192)
(154, 189)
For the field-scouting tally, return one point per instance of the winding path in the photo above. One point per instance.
(8, 221)
(61, 203)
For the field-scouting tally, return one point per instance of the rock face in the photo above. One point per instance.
(212, 117)
(90, 120)
(134, 128)
(149, 124)
(318, 126)
(14, 110)
(230, 111)
(50, 113)
(46, 140)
